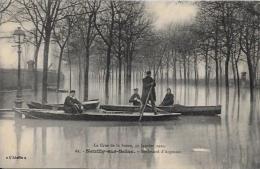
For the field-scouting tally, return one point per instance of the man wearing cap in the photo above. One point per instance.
(149, 84)
(71, 104)
(135, 98)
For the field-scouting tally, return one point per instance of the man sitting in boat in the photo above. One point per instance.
(149, 84)
(71, 104)
(168, 99)
(135, 98)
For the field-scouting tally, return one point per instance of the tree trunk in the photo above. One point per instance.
(45, 65)
(107, 72)
(36, 53)
(80, 73)
(188, 71)
(128, 73)
(59, 68)
(86, 74)
(112, 75)
(227, 77)
(120, 77)
(109, 49)
(220, 72)
(234, 71)
(184, 71)
(217, 73)
(161, 74)
(238, 79)
(154, 72)
(180, 73)
(175, 71)
(206, 70)
(104, 75)
(116, 78)
(227, 70)
(251, 76)
(167, 70)
(217, 79)
(99, 75)
(69, 59)
(196, 70)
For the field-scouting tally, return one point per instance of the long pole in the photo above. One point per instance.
(69, 64)
(19, 101)
(150, 90)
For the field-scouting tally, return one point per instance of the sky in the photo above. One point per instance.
(164, 14)
(167, 13)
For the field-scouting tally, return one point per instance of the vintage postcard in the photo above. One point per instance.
(125, 84)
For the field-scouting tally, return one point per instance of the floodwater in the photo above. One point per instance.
(229, 141)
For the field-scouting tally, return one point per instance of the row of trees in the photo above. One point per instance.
(99, 33)
(223, 36)
(230, 34)
(84, 28)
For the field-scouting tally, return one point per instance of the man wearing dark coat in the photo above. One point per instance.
(71, 104)
(168, 99)
(135, 98)
(149, 84)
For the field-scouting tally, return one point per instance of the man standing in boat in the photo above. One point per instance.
(149, 84)
(71, 104)
(135, 98)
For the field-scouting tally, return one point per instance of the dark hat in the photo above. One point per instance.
(148, 72)
(72, 91)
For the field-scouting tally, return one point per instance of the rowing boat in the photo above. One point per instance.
(93, 116)
(57, 90)
(184, 110)
(187, 120)
(88, 105)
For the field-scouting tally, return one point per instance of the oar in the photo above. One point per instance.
(146, 100)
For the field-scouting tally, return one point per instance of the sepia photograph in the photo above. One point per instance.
(128, 84)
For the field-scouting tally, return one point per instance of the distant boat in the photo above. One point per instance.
(184, 110)
(92, 116)
(88, 105)
(57, 90)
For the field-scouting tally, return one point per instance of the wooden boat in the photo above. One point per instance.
(187, 120)
(32, 123)
(184, 110)
(88, 105)
(93, 116)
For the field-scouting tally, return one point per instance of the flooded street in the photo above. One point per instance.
(229, 141)
(68, 55)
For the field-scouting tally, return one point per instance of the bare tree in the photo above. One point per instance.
(46, 13)
(4, 5)
(85, 25)
(104, 25)
(27, 13)
(249, 42)
(136, 28)
(62, 33)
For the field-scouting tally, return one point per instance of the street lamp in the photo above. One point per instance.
(19, 36)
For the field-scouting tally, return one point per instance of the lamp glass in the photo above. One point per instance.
(19, 35)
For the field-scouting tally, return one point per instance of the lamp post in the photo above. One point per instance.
(19, 36)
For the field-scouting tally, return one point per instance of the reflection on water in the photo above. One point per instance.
(231, 141)
(53, 143)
